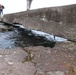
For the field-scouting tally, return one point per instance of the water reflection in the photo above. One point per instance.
(11, 39)
(21, 37)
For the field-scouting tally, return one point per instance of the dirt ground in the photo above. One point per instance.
(39, 60)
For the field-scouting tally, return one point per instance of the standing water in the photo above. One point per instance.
(21, 37)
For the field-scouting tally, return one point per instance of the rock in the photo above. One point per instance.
(16, 56)
(23, 69)
(11, 63)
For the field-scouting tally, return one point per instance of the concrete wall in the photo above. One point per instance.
(59, 21)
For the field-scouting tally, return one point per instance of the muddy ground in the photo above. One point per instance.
(39, 60)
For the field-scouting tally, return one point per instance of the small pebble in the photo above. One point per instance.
(10, 63)
(0, 55)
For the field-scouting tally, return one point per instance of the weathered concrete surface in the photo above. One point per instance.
(59, 21)
(38, 60)
(60, 60)
(66, 14)
(11, 62)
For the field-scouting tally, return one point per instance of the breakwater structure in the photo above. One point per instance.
(60, 21)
